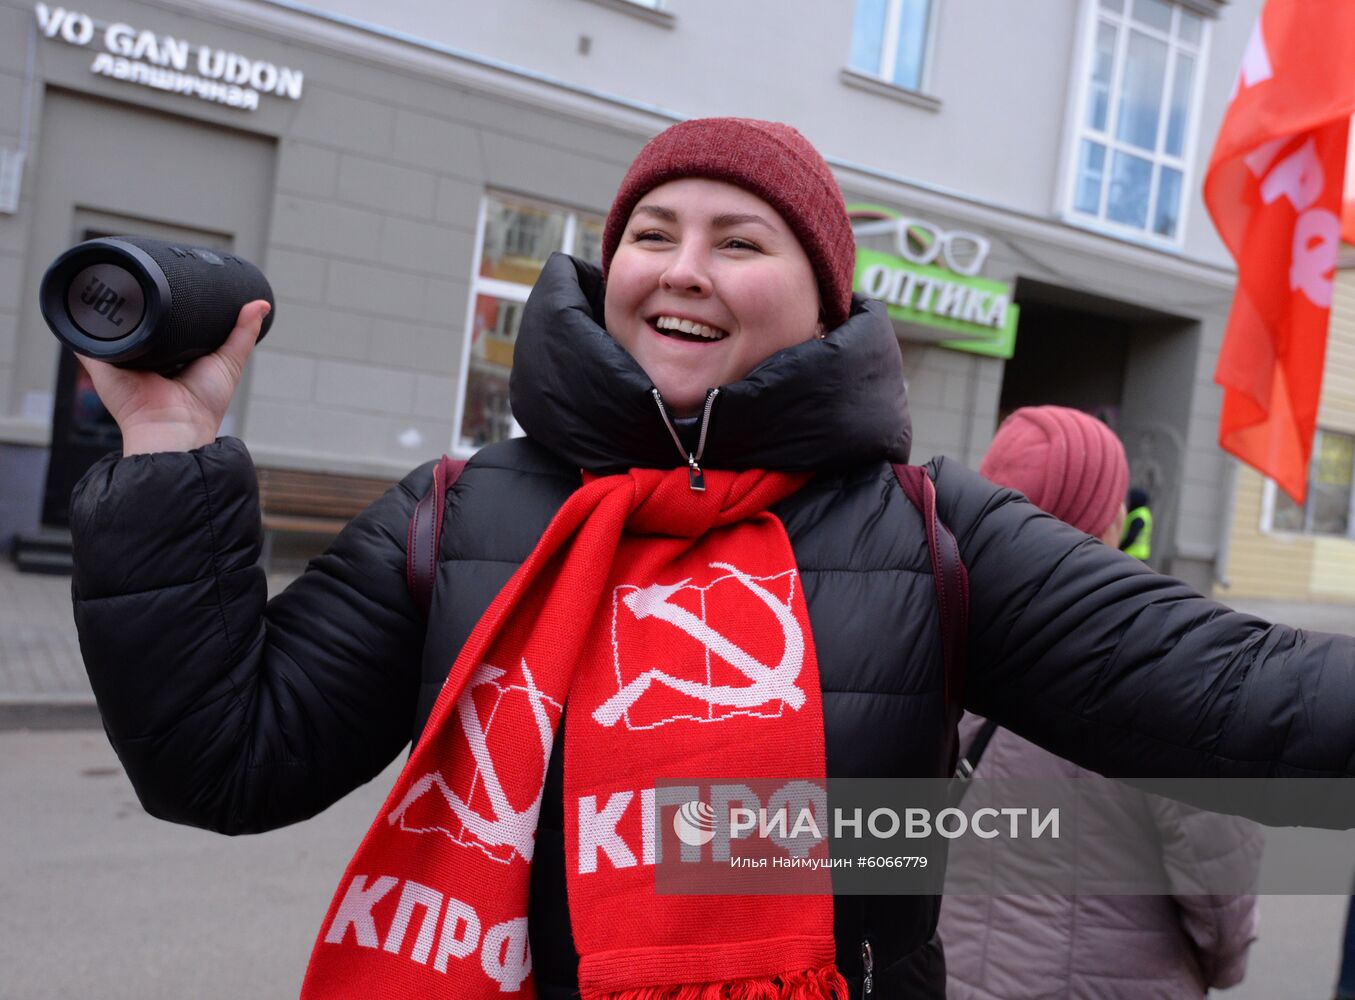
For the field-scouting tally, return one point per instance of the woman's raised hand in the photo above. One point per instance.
(156, 413)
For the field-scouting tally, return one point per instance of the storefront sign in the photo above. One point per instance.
(932, 281)
(171, 64)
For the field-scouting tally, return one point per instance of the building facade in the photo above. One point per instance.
(1024, 177)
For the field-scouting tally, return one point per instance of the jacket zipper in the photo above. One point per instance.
(868, 969)
(696, 479)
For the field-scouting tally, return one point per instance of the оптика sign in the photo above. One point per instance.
(933, 283)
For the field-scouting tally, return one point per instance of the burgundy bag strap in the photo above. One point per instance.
(948, 570)
(425, 533)
(951, 579)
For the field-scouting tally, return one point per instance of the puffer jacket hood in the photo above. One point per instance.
(578, 392)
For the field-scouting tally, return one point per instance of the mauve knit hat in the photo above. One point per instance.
(774, 162)
(1067, 463)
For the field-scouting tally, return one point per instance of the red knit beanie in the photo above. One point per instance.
(1067, 463)
(771, 160)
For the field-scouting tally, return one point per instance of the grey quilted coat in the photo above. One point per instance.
(1011, 947)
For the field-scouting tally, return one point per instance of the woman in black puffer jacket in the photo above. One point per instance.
(240, 714)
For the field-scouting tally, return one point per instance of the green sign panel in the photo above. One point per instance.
(979, 310)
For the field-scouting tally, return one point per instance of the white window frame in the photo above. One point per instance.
(1271, 489)
(1076, 129)
(507, 290)
(656, 12)
(889, 47)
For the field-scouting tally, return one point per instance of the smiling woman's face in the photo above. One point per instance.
(707, 283)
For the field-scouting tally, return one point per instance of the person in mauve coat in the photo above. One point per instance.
(1120, 947)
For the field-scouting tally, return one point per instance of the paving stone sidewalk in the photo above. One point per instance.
(1318, 617)
(42, 676)
(39, 654)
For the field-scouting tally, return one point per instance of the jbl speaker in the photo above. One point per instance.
(144, 303)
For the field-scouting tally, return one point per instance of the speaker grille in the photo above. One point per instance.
(207, 289)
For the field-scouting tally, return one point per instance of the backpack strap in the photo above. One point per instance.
(948, 570)
(425, 533)
(950, 577)
(969, 761)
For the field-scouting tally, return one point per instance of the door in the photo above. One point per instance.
(109, 168)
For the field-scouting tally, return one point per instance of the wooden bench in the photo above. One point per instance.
(295, 501)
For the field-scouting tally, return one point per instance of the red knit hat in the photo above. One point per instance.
(1067, 463)
(771, 160)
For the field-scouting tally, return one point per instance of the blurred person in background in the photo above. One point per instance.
(1136, 538)
(1122, 947)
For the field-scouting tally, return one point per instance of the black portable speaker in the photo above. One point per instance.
(144, 303)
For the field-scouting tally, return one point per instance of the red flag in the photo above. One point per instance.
(1274, 188)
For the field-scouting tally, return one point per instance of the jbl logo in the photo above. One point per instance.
(104, 301)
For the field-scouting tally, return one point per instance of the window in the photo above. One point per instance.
(516, 237)
(653, 11)
(1134, 135)
(1330, 509)
(889, 40)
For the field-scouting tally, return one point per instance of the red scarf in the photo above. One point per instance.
(673, 624)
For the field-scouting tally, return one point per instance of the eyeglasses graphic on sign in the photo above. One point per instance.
(921, 242)
(930, 281)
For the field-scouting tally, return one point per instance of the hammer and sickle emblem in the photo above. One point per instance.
(769, 683)
(508, 827)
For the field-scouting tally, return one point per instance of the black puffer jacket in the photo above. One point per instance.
(237, 714)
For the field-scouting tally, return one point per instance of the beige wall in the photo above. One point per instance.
(361, 210)
(1338, 383)
(785, 59)
(1300, 567)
